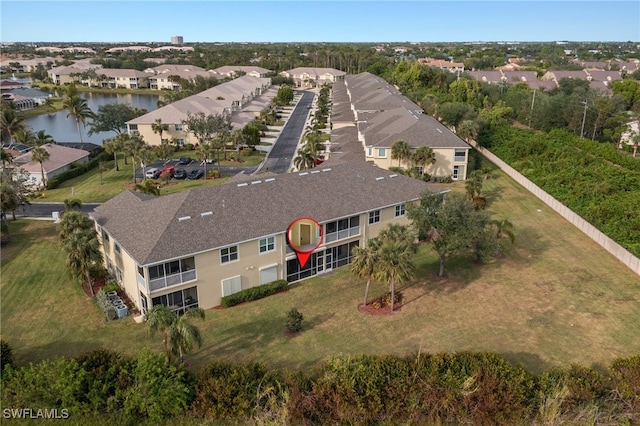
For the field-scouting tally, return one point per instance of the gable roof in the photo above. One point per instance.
(369, 92)
(386, 128)
(207, 218)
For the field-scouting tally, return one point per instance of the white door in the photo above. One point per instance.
(328, 260)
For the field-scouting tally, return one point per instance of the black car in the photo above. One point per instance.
(195, 174)
(180, 174)
(185, 160)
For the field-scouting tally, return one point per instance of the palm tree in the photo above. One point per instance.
(424, 157)
(39, 154)
(400, 151)
(364, 262)
(113, 146)
(72, 204)
(11, 121)
(5, 157)
(179, 335)
(148, 187)
(159, 127)
(183, 335)
(503, 227)
(305, 159)
(468, 130)
(395, 265)
(42, 137)
(160, 318)
(83, 250)
(25, 136)
(80, 111)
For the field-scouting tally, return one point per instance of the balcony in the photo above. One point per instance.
(171, 280)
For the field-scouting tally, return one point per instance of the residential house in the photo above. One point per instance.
(165, 76)
(72, 73)
(231, 98)
(233, 71)
(455, 67)
(26, 97)
(384, 116)
(194, 247)
(60, 160)
(120, 78)
(309, 77)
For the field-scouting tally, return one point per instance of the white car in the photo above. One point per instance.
(153, 173)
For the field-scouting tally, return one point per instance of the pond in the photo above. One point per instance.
(64, 129)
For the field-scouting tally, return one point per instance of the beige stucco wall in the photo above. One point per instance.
(442, 167)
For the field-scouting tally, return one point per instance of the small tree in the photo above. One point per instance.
(294, 321)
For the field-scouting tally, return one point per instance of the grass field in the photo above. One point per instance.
(555, 300)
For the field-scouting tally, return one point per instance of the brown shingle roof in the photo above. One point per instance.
(59, 156)
(179, 224)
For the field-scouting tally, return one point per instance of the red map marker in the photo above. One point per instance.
(304, 235)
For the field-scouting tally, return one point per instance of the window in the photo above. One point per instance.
(178, 127)
(180, 141)
(267, 244)
(228, 254)
(369, 152)
(105, 238)
(460, 155)
(420, 170)
(268, 274)
(179, 301)
(382, 152)
(133, 127)
(400, 210)
(374, 217)
(172, 273)
(231, 285)
(342, 228)
(117, 249)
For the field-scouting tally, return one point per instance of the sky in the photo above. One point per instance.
(318, 21)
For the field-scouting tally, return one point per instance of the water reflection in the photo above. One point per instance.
(64, 129)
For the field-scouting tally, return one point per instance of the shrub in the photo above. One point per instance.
(246, 152)
(213, 174)
(441, 179)
(105, 304)
(254, 293)
(294, 320)
(6, 355)
(189, 146)
(225, 391)
(625, 374)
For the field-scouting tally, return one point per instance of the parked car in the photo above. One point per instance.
(180, 174)
(169, 169)
(185, 160)
(195, 174)
(152, 173)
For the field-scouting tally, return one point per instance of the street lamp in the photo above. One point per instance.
(584, 117)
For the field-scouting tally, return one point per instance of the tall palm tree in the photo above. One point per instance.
(503, 228)
(179, 334)
(80, 111)
(364, 262)
(424, 157)
(39, 154)
(11, 121)
(72, 204)
(113, 146)
(159, 127)
(400, 151)
(5, 157)
(83, 250)
(304, 160)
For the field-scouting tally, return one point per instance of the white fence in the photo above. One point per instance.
(622, 254)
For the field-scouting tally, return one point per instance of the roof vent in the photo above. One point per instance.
(183, 218)
(206, 213)
(393, 175)
(439, 130)
(326, 170)
(242, 184)
(256, 182)
(380, 178)
(313, 172)
(304, 173)
(270, 180)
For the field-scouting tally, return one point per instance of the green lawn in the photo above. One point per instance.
(96, 187)
(556, 299)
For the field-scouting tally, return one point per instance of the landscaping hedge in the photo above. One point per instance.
(78, 170)
(254, 293)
